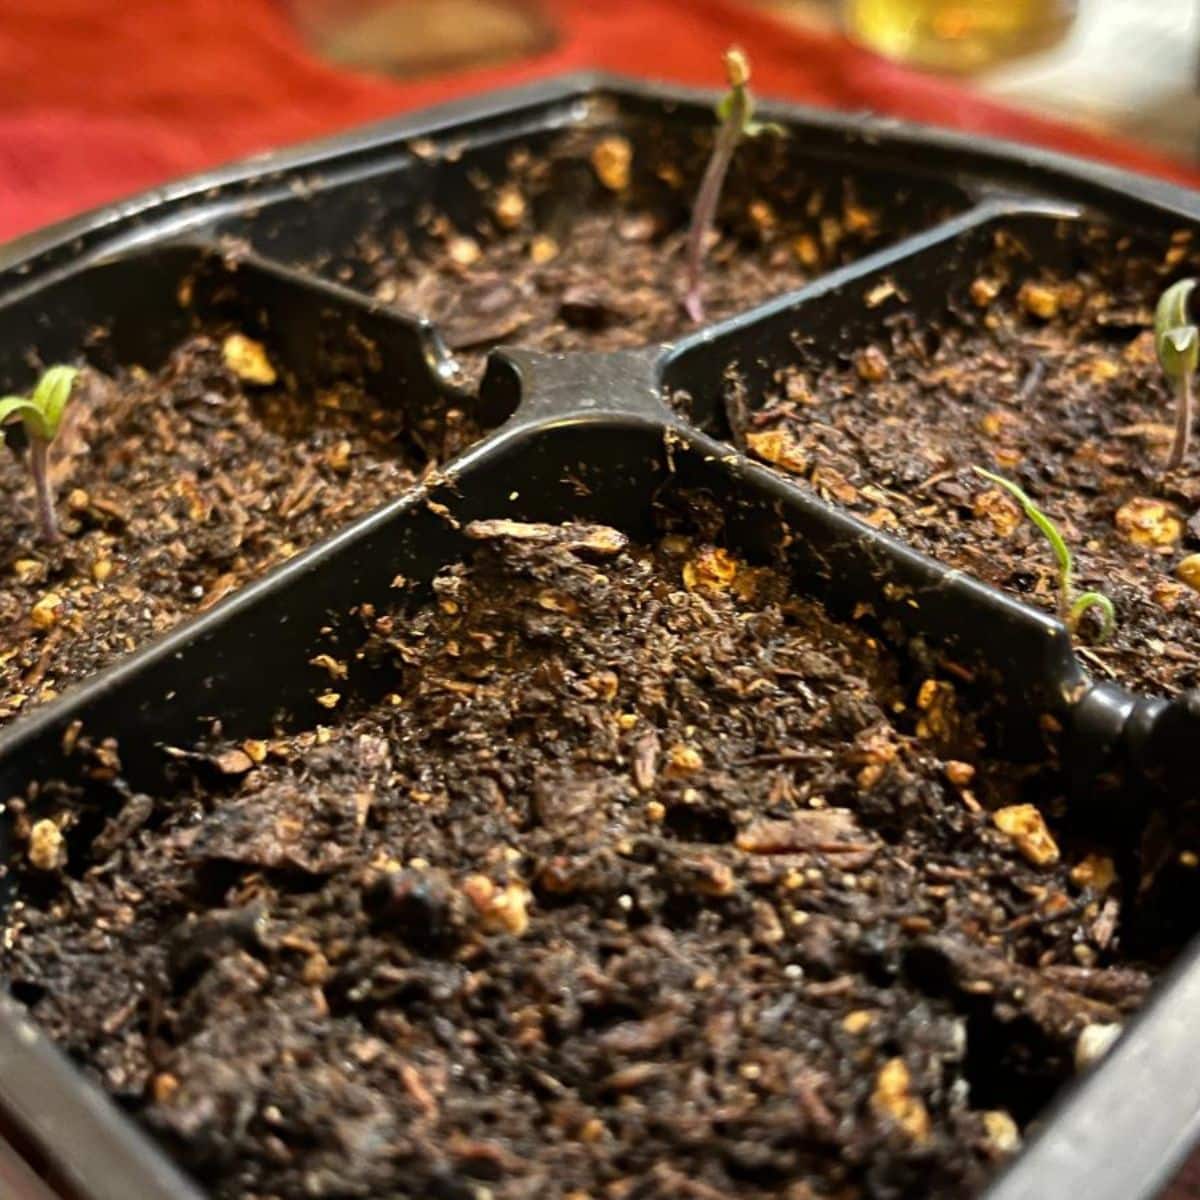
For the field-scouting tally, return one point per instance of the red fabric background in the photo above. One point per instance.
(104, 97)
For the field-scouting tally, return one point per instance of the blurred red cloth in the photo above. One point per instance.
(102, 99)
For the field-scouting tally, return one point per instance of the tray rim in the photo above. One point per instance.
(1078, 1133)
(870, 129)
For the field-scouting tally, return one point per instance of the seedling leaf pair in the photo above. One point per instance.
(1177, 342)
(41, 413)
(1072, 607)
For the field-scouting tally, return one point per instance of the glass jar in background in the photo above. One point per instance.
(958, 35)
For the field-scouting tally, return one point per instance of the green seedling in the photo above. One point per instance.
(41, 413)
(736, 113)
(1177, 342)
(1071, 607)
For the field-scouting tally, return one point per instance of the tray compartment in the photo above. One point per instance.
(789, 211)
(180, 482)
(926, 278)
(1019, 342)
(591, 439)
(249, 660)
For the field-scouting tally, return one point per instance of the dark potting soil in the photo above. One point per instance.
(582, 248)
(643, 879)
(1048, 378)
(175, 488)
(615, 284)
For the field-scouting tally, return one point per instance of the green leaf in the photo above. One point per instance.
(1176, 338)
(51, 395)
(736, 108)
(13, 406)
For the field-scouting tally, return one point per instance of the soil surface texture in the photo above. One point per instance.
(583, 248)
(643, 879)
(175, 488)
(1047, 377)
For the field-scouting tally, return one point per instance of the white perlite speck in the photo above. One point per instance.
(1094, 1043)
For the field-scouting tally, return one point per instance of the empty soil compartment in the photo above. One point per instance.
(638, 876)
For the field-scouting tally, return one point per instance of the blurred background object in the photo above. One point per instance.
(116, 97)
(1129, 66)
(1121, 66)
(412, 37)
(1125, 67)
(958, 35)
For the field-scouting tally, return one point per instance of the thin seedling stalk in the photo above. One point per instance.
(1184, 416)
(736, 112)
(705, 211)
(1071, 607)
(39, 467)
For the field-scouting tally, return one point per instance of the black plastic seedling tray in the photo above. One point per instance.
(586, 436)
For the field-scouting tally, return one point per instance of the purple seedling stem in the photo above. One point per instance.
(736, 112)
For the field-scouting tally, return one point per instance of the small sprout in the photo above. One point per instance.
(736, 113)
(1177, 342)
(41, 414)
(1071, 607)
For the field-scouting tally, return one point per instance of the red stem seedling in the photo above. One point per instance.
(1177, 343)
(41, 413)
(736, 113)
